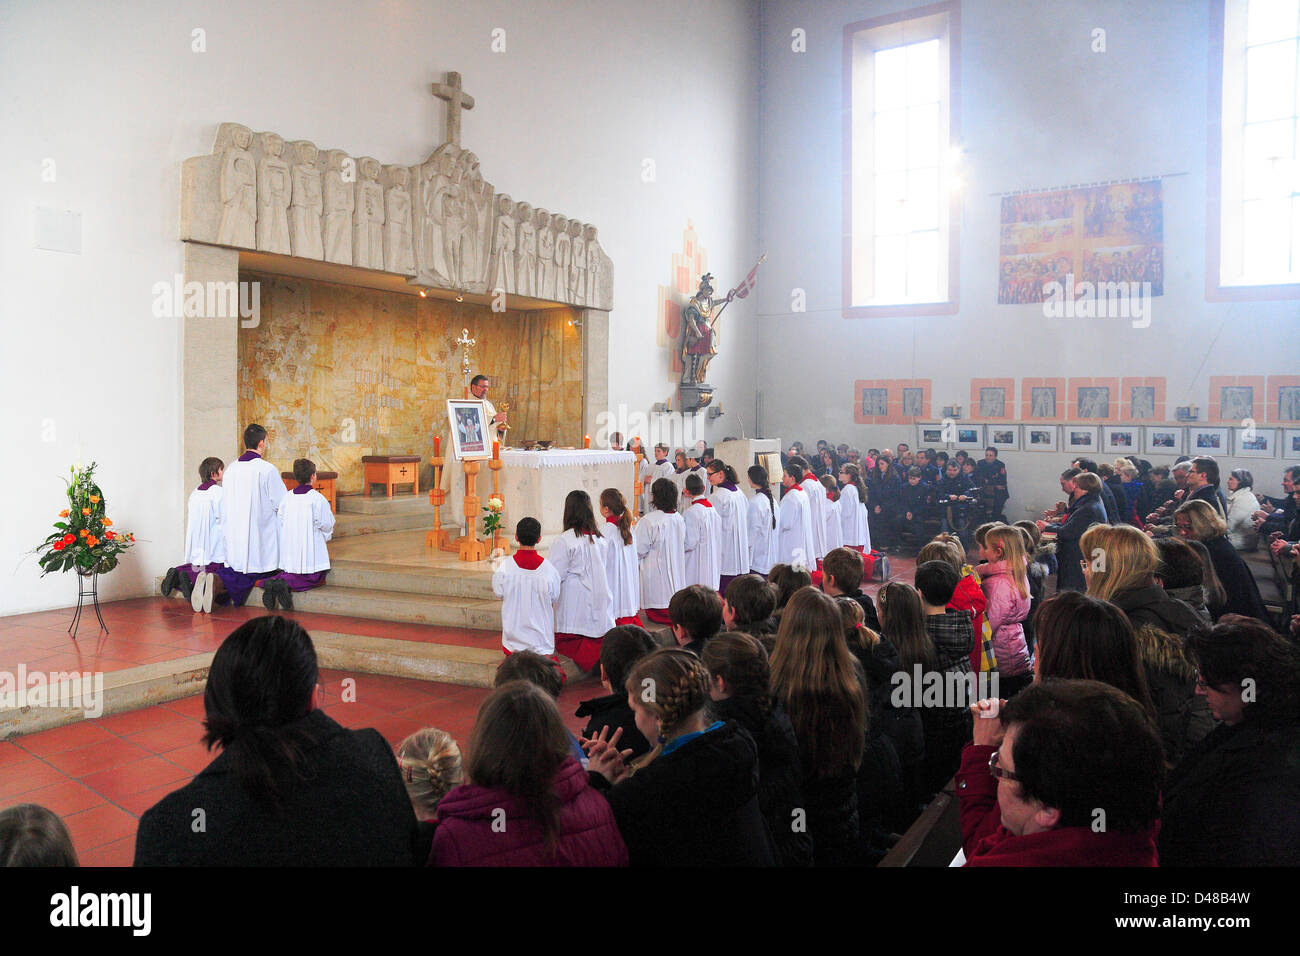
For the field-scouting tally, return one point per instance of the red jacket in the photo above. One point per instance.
(473, 832)
(986, 842)
(970, 597)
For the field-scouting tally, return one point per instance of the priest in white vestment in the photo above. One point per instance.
(253, 492)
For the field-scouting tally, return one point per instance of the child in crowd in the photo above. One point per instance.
(762, 522)
(952, 637)
(968, 597)
(543, 672)
(529, 587)
(916, 505)
(955, 496)
(1036, 572)
(732, 508)
(660, 538)
(816, 511)
(620, 557)
(620, 649)
(834, 534)
(430, 762)
(853, 509)
(748, 606)
(652, 471)
(1005, 583)
(787, 579)
(306, 523)
(584, 612)
(795, 543)
(696, 614)
(842, 576)
(31, 835)
(703, 544)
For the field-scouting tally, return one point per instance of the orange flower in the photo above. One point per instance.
(109, 536)
(84, 532)
(91, 541)
(85, 511)
(107, 523)
(94, 499)
(63, 513)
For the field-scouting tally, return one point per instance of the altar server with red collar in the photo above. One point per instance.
(252, 494)
(660, 547)
(306, 523)
(794, 531)
(651, 471)
(703, 545)
(528, 586)
(762, 522)
(816, 511)
(834, 535)
(620, 558)
(584, 612)
(733, 513)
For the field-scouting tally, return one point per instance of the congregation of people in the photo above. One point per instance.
(760, 708)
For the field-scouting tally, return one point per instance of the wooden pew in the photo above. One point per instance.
(934, 839)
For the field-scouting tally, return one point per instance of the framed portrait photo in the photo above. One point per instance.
(1291, 444)
(1163, 440)
(1004, 437)
(1256, 442)
(1121, 439)
(470, 436)
(1207, 440)
(968, 435)
(930, 435)
(1042, 437)
(1080, 439)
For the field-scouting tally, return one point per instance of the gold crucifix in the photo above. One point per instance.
(466, 343)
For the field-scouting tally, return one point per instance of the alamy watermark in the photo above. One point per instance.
(944, 689)
(179, 299)
(69, 690)
(1098, 300)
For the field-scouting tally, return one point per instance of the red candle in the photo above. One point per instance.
(496, 449)
(437, 446)
(586, 441)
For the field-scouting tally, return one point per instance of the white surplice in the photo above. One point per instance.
(306, 523)
(817, 512)
(204, 540)
(652, 471)
(794, 543)
(528, 599)
(853, 518)
(251, 494)
(834, 532)
(584, 607)
(703, 544)
(660, 548)
(733, 511)
(621, 572)
(762, 533)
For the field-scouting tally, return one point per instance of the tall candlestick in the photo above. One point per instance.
(496, 449)
(437, 446)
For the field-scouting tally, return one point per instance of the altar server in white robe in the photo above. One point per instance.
(762, 522)
(853, 509)
(834, 529)
(528, 586)
(253, 492)
(197, 576)
(306, 524)
(816, 510)
(693, 467)
(795, 544)
(620, 558)
(660, 547)
(733, 511)
(651, 471)
(584, 612)
(703, 544)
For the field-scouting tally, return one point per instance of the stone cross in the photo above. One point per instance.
(466, 343)
(456, 101)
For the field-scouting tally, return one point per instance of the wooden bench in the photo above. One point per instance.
(325, 483)
(934, 839)
(389, 470)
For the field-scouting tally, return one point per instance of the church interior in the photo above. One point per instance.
(467, 264)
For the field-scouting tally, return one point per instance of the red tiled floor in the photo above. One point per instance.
(168, 736)
(124, 780)
(119, 853)
(187, 706)
(99, 826)
(193, 757)
(136, 720)
(96, 757)
(138, 803)
(20, 779)
(64, 798)
(70, 737)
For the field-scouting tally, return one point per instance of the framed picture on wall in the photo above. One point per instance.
(1121, 439)
(1163, 440)
(469, 430)
(1256, 442)
(969, 435)
(1080, 439)
(1041, 437)
(1207, 440)
(1004, 437)
(1291, 444)
(930, 435)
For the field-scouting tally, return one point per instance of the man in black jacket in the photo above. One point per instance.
(1203, 484)
(842, 576)
(1085, 510)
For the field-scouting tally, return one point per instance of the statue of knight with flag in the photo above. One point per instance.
(700, 335)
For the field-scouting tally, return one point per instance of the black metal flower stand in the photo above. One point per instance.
(82, 593)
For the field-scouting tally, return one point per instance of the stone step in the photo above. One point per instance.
(413, 580)
(377, 504)
(347, 525)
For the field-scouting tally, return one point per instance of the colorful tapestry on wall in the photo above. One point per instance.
(1097, 234)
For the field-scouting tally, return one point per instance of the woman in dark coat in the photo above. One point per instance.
(884, 499)
(290, 786)
(1235, 798)
(1085, 511)
(1199, 521)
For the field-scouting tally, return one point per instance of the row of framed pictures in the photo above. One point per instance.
(1115, 439)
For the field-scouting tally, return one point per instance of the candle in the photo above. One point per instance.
(586, 441)
(496, 449)
(437, 446)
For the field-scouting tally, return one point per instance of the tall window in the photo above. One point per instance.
(900, 242)
(1257, 95)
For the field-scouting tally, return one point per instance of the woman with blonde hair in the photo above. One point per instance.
(430, 762)
(693, 799)
(1120, 564)
(1005, 582)
(1199, 521)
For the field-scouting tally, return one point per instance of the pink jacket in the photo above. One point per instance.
(1006, 609)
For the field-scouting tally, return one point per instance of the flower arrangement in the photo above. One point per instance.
(86, 539)
(492, 517)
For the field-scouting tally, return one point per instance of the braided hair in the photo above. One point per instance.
(758, 475)
(674, 685)
(430, 762)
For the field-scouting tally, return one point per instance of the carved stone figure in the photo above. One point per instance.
(526, 240)
(238, 187)
(399, 254)
(1236, 402)
(577, 264)
(1042, 402)
(1143, 403)
(503, 247)
(368, 224)
(563, 246)
(273, 190)
(340, 201)
(699, 334)
(595, 269)
(307, 204)
(545, 255)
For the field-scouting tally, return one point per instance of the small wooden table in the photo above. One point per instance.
(389, 470)
(324, 483)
